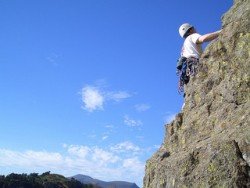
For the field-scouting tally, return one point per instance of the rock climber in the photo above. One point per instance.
(193, 40)
(191, 51)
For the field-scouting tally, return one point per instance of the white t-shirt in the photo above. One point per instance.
(190, 48)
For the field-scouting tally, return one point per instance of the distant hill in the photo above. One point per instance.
(45, 180)
(102, 184)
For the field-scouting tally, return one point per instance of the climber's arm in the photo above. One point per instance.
(208, 37)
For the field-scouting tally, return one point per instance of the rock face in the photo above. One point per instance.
(208, 143)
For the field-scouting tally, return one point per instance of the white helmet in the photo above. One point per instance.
(184, 28)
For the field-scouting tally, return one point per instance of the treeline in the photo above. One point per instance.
(34, 180)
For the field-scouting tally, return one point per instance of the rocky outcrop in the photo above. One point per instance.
(208, 143)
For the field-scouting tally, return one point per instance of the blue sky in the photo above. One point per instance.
(86, 86)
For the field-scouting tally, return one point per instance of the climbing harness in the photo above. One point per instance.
(186, 67)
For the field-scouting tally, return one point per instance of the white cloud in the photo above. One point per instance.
(109, 126)
(74, 159)
(131, 122)
(125, 147)
(134, 165)
(92, 98)
(29, 158)
(118, 96)
(105, 137)
(53, 59)
(157, 146)
(169, 117)
(142, 107)
(79, 151)
(104, 157)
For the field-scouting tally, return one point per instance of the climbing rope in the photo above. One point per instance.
(189, 68)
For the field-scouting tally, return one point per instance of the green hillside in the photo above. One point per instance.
(34, 180)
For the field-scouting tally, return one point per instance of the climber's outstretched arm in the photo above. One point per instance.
(208, 37)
